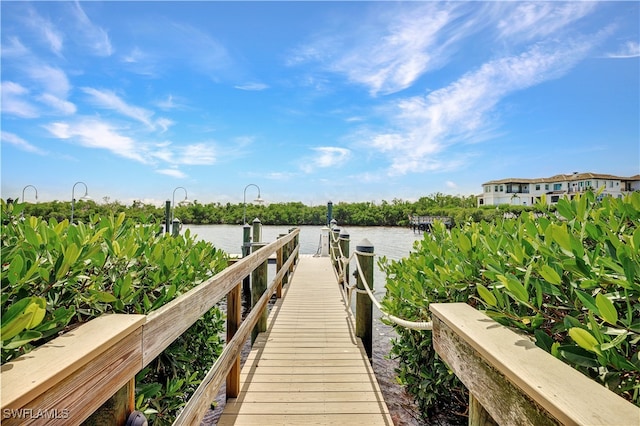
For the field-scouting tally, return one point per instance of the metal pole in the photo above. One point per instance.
(73, 200)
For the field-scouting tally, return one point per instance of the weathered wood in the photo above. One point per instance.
(364, 306)
(478, 416)
(258, 287)
(517, 382)
(85, 384)
(234, 319)
(32, 374)
(344, 248)
(116, 410)
(167, 323)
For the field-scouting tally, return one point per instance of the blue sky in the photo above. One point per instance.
(313, 101)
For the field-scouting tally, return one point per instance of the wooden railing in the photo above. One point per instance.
(70, 378)
(513, 382)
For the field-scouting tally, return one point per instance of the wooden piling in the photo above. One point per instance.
(344, 248)
(364, 306)
(258, 287)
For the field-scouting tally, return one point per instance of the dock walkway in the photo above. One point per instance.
(308, 368)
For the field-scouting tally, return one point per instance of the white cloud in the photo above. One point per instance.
(390, 52)
(92, 35)
(326, 156)
(252, 86)
(53, 80)
(60, 105)
(20, 143)
(530, 20)
(197, 154)
(425, 126)
(630, 49)
(13, 48)
(13, 102)
(172, 172)
(109, 100)
(93, 133)
(52, 37)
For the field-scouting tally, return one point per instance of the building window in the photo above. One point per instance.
(537, 187)
(557, 186)
(554, 198)
(546, 186)
(501, 188)
(495, 188)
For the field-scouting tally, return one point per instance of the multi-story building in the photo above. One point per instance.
(528, 191)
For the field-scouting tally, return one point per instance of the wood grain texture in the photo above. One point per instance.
(517, 382)
(308, 368)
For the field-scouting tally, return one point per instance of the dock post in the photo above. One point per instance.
(334, 236)
(279, 263)
(257, 230)
(234, 318)
(246, 250)
(344, 248)
(167, 216)
(364, 306)
(258, 287)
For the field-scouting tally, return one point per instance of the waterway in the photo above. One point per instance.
(392, 242)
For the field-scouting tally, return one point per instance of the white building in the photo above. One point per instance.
(525, 192)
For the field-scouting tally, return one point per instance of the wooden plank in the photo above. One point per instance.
(308, 368)
(33, 374)
(517, 382)
(82, 392)
(304, 420)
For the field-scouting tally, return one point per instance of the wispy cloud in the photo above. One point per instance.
(197, 154)
(95, 37)
(20, 143)
(14, 102)
(326, 156)
(390, 52)
(464, 111)
(252, 86)
(630, 49)
(92, 133)
(61, 105)
(52, 79)
(172, 172)
(531, 20)
(49, 33)
(109, 100)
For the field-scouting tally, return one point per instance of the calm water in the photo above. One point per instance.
(392, 242)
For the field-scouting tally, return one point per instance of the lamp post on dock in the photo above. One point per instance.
(174, 229)
(22, 199)
(244, 201)
(73, 199)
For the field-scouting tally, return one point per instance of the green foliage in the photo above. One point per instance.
(570, 278)
(394, 213)
(56, 276)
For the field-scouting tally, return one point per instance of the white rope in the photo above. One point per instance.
(413, 325)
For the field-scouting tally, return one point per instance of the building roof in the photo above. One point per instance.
(562, 178)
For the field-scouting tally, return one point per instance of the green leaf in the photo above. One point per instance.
(464, 242)
(561, 236)
(584, 339)
(607, 310)
(486, 295)
(578, 356)
(15, 270)
(588, 301)
(543, 340)
(103, 296)
(22, 339)
(515, 287)
(550, 275)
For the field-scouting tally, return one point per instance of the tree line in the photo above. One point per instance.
(384, 213)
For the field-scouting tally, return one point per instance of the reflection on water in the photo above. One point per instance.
(393, 243)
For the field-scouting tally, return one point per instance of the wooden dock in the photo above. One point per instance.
(308, 368)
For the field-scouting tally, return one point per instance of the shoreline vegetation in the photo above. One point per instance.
(385, 213)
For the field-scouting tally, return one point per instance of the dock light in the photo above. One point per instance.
(73, 199)
(244, 201)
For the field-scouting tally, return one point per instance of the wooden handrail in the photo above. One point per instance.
(515, 381)
(70, 377)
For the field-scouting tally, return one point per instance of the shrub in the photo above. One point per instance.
(56, 276)
(570, 279)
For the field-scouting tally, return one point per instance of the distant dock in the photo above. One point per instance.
(424, 223)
